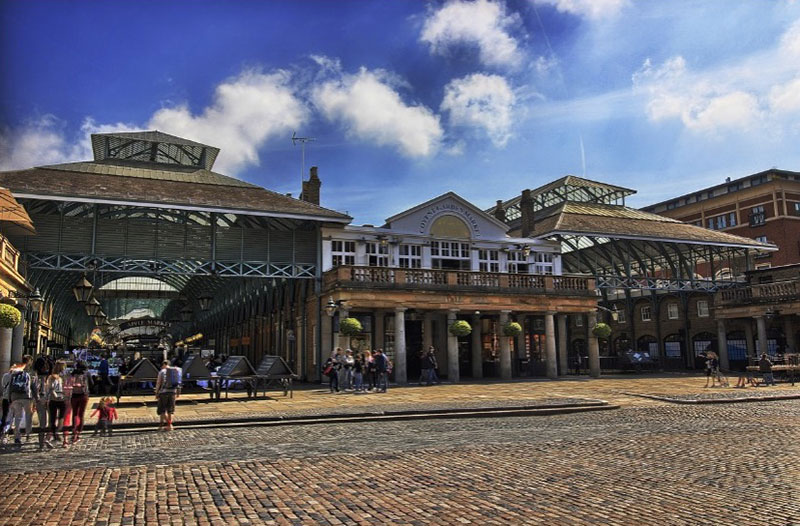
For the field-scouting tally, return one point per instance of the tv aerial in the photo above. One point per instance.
(302, 141)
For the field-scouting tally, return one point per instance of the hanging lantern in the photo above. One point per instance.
(93, 306)
(99, 318)
(186, 313)
(205, 300)
(83, 290)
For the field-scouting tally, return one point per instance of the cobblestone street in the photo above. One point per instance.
(660, 464)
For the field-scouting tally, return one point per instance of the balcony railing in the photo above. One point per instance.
(764, 293)
(9, 255)
(406, 278)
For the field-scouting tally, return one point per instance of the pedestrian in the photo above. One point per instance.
(434, 378)
(5, 392)
(372, 375)
(56, 403)
(577, 363)
(168, 388)
(382, 370)
(358, 373)
(331, 370)
(347, 367)
(77, 385)
(105, 416)
(102, 372)
(741, 383)
(43, 366)
(709, 369)
(765, 368)
(424, 367)
(21, 397)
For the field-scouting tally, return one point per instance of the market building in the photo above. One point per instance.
(760, 313)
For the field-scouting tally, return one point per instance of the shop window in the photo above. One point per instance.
(646, 313)
(377, 255)
(410, 256)
(343, 252)
(702, 309)
(672, 346)
(672, 311)
(488, 260)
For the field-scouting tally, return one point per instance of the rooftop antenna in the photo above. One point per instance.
(302, 141)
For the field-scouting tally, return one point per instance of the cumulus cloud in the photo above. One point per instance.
(482, 101)
(702, 104)
(594, 9)
(480, 23)
(369, 106)
(761, 91)
(246, 111)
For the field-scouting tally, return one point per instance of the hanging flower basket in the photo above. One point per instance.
(512, 329)
(602, 331)
(350, 326)
(10, 316)
(460, 328)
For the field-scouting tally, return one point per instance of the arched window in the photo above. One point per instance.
(673, 346)
(450, 227)
(647, 344)
(702, 342)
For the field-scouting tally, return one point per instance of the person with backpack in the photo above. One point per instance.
(78, 385)
(382, 368)
(43, 366)
(168, 387)
(5, 385)
(56, 403)
(21, 397)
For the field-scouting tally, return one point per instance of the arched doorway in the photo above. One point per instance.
(673, 352)
(702, 342)
(648, 345)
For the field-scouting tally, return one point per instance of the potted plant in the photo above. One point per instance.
(601, 331)
(460, 328)
(350, 327)
(512, 329)
(10, 316)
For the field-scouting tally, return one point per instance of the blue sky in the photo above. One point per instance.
(411, 99)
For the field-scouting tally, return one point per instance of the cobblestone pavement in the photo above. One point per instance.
(313, 400)
(661, 464)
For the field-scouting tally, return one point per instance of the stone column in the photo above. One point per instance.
(788, 331)
(344, 341)
(550, 345)
(505, 347)
(427, 330)
(326, 340)
(5, 349)
(562, 344)
(400, 345)
(593, 345)
(722, 344)
(761, 323)
(380, 329)
(452, 349)
(18, 341)
(748, 334)
(477, 347)
(519, 346)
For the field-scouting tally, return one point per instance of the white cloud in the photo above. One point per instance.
(371, 109)
(247, 111)
(482, 23)
(484, 101)
(757, 92)
(785, 98)
(594, 9)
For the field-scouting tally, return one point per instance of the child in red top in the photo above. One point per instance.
(106, 414)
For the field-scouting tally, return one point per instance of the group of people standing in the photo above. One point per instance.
(45, 386)
(366, 371)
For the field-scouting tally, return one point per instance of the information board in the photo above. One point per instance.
(235, 366)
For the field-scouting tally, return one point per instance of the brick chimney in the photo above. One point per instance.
(311, 187)
(499, 211)
(526, 207)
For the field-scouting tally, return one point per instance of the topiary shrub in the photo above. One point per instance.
(512, 329)
(350, 326)
(10, 316)
(460, 328)
(602, 331)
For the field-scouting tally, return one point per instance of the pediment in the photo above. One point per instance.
(419, 219)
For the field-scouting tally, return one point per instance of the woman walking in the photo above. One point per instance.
(78, 384)
(56, 403)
